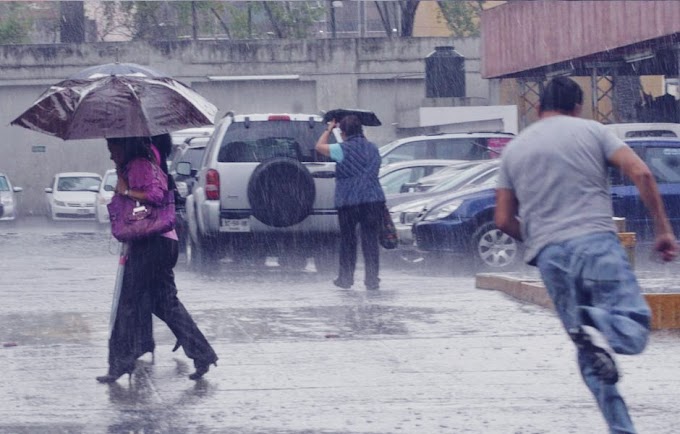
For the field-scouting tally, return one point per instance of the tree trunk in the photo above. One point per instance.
(72, 22)
(408, 16)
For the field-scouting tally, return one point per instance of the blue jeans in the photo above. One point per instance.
(592, 283)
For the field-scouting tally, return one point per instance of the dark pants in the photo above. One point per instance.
(149, 288)
(369, 218)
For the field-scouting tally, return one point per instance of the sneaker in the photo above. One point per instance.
(590, 340)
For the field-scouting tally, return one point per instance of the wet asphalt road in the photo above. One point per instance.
(428, 353)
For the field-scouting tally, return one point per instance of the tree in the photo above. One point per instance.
(72, 20)
(462, 17)
(14, 23)
(407, 10)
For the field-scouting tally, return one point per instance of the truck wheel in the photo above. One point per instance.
(494, 250)
(281, 192)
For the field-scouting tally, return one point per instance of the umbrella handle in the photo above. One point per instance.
(118, 286)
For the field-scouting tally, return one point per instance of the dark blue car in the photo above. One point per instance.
(462, 224)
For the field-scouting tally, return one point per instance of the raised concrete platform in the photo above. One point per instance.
(665, 306)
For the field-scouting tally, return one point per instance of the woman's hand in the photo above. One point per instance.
(331, 125)
(122, 186)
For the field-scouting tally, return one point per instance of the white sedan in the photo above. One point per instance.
(104, 195)
(71, 195)
(8, 198)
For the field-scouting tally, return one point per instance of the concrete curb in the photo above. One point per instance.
(665, 306)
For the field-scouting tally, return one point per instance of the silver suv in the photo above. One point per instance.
(264, 191)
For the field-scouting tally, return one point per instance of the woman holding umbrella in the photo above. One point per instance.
(148, 281)
(359, 198)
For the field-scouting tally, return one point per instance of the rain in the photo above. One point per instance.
(247, 90)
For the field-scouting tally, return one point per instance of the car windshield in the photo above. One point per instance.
(262, 140)
(664, 164)
(194, 156)
(4, 185)
(392, 182)
(77, 183)
(471, 176)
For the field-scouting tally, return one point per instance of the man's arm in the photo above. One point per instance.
(505, 215)
(634, 168)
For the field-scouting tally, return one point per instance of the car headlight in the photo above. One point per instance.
(5, 200)
(59, 203)
(443, 211)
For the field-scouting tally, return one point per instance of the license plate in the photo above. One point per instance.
(235, 225)
(83, 211)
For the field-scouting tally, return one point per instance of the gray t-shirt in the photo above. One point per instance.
(557, 168)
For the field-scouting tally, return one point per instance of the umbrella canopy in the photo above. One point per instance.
(367, 118)
(116, 106)
(117, 69)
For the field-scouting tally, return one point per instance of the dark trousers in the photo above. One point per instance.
(368, 217)
(149, 288)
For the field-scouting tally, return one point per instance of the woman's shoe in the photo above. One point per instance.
(113, 376)
(201, 369)
(341, 283)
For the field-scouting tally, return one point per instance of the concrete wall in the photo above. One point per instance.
(380, 74)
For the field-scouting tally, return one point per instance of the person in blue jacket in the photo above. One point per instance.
(359, 199)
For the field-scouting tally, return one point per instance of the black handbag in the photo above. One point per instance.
(388, 233)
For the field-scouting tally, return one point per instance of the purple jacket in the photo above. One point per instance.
(146, 176)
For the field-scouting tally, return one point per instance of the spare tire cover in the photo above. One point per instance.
(281, 192)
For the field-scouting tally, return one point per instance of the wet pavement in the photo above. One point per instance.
(428, 353)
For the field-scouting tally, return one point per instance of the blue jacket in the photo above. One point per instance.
(357, 174)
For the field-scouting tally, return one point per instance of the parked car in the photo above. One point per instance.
(189, 161)
(662, 155)
(192, 155)
(462, 224)
(396, 177)
(181, 137)
(446, 146)
(464, 175)
(8, 198)
(645, 129)
(71, 195)
(104, 194)
(262, 191)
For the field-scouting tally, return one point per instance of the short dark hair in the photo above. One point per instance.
(351, 125)
(561, 94)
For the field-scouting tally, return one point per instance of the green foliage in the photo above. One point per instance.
(14, 23)
(462, 17)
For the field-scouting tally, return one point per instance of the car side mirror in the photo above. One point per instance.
(48, 190)
(17, 189)
(184, 168)
(109, 188)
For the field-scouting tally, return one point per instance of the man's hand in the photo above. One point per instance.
(666, 246)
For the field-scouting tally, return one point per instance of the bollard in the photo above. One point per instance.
(627, 240)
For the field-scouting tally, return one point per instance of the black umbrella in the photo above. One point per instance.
(367, 118)
(117, 106)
